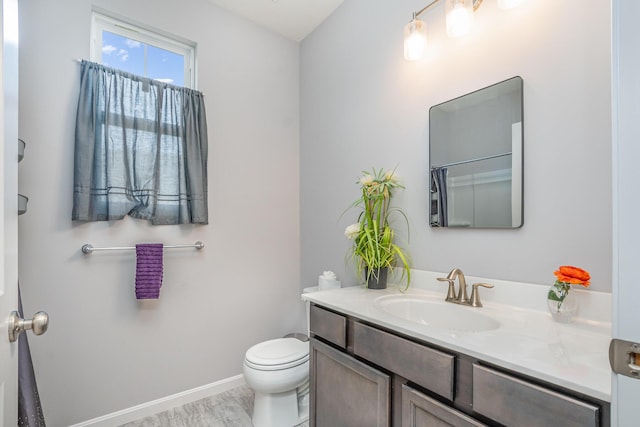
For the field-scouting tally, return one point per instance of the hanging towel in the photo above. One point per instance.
(148, 270)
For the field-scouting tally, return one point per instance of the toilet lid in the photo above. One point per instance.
(278, 353)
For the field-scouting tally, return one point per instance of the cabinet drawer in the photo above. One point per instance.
(429, 368)
(419, 410)
(515, 402)
(328, 325)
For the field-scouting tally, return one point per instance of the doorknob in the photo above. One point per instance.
(17, 324)
(624, 357)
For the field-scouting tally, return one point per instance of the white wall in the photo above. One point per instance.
(363, 106)
(105, 351)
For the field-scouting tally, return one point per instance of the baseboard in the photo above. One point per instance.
(150, 408)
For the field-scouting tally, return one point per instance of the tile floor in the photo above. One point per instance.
(232, 408)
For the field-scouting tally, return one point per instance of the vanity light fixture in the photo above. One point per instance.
(415, 38)
(459, 16)
(459, 20)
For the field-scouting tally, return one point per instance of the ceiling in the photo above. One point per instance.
(294, 19)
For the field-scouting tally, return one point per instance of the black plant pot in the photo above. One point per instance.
(377, 279)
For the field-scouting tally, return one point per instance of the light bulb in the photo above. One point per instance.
(415, 40)
(509, 4)
(459, 16)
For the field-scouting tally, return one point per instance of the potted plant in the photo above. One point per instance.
(374, 251)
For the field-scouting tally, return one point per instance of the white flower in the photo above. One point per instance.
(366, 180)
(352, 231)
(391, 176)
(329, 275)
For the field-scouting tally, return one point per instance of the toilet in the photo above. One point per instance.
(278, 372)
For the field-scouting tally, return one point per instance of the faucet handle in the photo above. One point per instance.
(475, 296)
(451, 293)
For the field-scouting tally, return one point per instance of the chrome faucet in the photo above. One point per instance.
(461, 296)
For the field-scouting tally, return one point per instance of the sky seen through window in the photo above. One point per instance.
(142, 59)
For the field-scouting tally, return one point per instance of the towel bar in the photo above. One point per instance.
(88, 248)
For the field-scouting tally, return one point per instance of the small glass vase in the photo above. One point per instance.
(562, 303)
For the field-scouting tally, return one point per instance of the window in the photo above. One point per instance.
(142, 51)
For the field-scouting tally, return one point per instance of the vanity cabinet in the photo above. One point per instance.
(362, 374)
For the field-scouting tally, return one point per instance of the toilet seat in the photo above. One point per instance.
(277, 354)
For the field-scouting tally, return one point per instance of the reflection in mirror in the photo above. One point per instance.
(475, 158)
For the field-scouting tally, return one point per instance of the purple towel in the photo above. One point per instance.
(148, 270)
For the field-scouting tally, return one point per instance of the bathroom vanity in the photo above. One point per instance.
(374, 363)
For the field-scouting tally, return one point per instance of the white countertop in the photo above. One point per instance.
(528, 341)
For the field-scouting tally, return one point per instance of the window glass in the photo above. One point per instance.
(165, 66)
(142, 59)
(142, 51)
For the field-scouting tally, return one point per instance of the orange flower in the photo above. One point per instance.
(573, 275)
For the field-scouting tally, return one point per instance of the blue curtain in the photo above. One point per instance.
(140, 149)
(439, 189)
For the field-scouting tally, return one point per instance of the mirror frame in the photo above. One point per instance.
(438, 173)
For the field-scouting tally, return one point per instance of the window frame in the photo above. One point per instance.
(102, 22)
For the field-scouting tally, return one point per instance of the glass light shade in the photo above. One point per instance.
(415, 40)
(509, 4)
(459, 17)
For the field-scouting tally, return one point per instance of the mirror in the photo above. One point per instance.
(475, 158)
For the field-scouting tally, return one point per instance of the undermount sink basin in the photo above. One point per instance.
(439, 314)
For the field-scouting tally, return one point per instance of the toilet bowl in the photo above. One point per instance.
(278, 372)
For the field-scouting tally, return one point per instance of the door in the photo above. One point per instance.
(420, 410)
(346, 392)
(8, 209)
(626, 198)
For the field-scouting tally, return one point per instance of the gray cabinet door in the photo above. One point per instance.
(419, 410)
(346, 392)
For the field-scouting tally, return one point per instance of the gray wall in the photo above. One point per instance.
(105, 351)
(363, 106)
